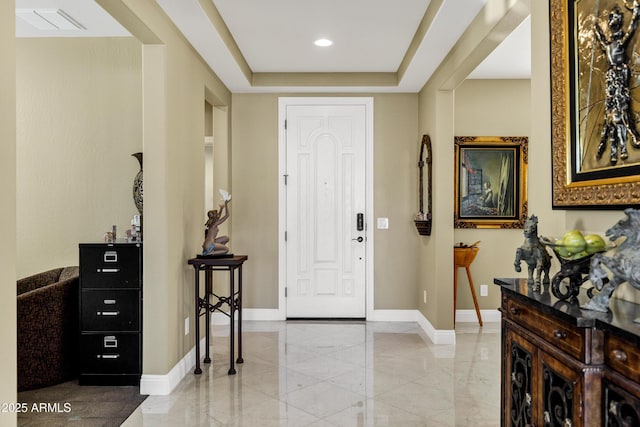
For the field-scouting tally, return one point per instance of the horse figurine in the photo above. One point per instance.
(534, 253)
(624, 265)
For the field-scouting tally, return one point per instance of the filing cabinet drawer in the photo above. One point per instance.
(110, 310)
(110, 353)
(110, 266)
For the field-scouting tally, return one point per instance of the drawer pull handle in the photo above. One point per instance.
(111, 256)
(619, 355)
(108, 270)
(515, 311)
(108, 313)
(559, 334)
(108, 356)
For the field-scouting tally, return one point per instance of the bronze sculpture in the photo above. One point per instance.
(624, 264)
(534, 253)
(214, 245)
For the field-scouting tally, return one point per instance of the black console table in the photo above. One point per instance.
(204, 306)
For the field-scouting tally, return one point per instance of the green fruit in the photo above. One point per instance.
(595, 243)
(574, 241)
(562, 251)
(580, 254)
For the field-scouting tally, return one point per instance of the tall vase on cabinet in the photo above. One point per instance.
(137, 184)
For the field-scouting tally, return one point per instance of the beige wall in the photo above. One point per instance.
(436, 104)
(176, 82)
(8, 385)
(492, 108)
(119, 97)
(79, 120)
(255, 204)
(437, 117)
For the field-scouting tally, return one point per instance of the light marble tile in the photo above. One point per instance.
(327, 374)
(324, 399)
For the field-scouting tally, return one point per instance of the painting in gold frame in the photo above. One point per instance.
(490, 181)
(595, 103)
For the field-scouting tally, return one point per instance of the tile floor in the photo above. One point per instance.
(300, 373)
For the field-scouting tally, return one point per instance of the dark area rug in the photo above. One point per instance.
(70, 404)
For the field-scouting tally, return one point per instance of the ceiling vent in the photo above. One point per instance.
(49, 19)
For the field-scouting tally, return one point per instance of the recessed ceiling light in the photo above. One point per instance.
(323, 42)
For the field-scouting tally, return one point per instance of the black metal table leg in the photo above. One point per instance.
(239, 301)
(208, 285)
(232, 369)
(234, 300)
(197, 320)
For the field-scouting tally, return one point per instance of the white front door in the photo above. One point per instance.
(325, 197)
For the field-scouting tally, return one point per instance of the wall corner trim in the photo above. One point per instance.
(164, 384)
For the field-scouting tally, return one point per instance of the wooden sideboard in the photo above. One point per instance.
(564, 366)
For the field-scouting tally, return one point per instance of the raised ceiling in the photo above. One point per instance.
(265, 46)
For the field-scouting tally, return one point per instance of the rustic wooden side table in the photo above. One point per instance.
(463, 257)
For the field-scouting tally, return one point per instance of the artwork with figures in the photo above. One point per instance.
(490, 181)
(595, 98)
(481, 168)
(608, 85)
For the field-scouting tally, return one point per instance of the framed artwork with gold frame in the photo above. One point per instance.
(595, 103)
(490, 181)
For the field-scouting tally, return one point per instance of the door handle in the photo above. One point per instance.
(359, 239)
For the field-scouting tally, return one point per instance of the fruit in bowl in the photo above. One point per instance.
(574, 245)
(595, 243)
(573, 241)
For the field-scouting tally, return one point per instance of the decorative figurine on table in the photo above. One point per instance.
(214, 245)
(534, 254)
(624, 265)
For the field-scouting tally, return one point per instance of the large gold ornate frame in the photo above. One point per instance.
(612, 186)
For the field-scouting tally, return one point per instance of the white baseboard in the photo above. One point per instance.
(437, 336)
(470, 316)
(261, 314)
(164, 384)
(393, 316)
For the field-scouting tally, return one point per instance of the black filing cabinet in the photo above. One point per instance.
(110, 313)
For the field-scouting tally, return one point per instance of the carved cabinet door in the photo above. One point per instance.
(621, 402)
(518, 375)
(561, 393)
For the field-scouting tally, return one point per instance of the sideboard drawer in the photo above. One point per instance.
(110, 310)
(557, 332)
(622, 356)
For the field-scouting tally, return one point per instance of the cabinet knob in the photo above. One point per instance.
(619, 355)
(514, 310)
(559, 334)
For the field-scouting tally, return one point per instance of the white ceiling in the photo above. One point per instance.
(276, 36)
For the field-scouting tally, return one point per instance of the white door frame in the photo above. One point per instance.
(283, 103)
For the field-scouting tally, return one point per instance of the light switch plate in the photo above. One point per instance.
(383, 223)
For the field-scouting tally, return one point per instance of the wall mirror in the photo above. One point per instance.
(423, 218)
